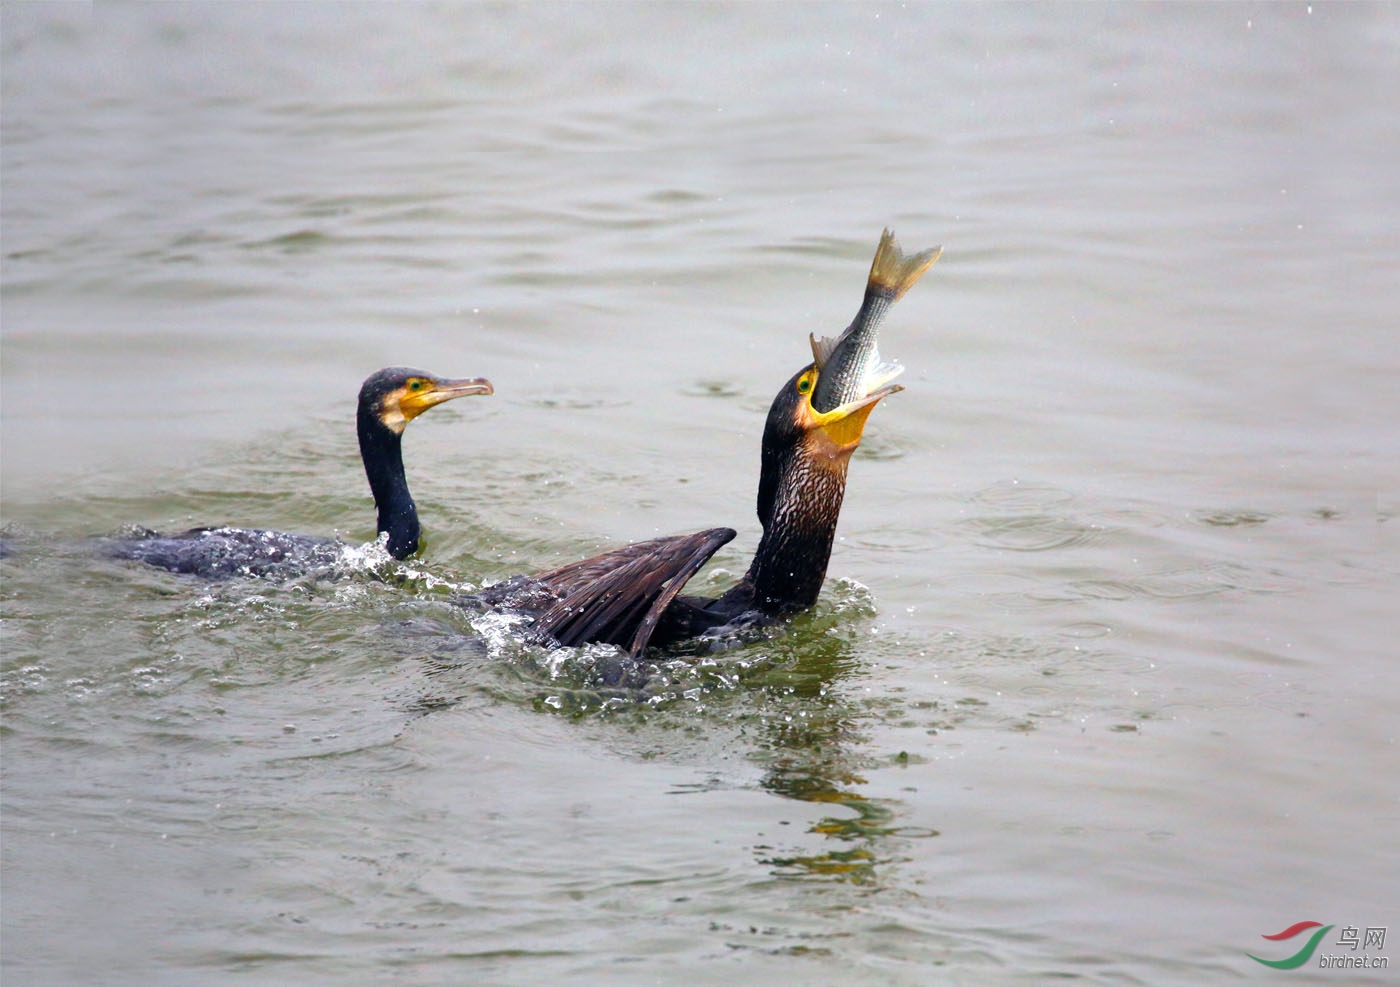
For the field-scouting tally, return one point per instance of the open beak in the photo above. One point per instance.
(415, 403)
(843, 425)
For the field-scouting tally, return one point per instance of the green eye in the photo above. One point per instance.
(415, 384)
(804, 385)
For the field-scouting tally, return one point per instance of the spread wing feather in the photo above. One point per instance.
(618, 597)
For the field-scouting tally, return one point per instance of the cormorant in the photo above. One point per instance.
(389, 400)
(630, 597)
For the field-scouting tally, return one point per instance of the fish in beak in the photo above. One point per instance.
(849, 366)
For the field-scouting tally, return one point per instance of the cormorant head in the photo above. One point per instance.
(389, 400)
(802, 447)
(395, 396)
(801, 485)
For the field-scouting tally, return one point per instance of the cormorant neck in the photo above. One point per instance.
(381, 448)
(789, 566)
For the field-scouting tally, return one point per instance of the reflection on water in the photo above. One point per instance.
(790, 695)
(814, 755)
(810, 750)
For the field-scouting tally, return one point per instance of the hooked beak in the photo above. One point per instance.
(414, 403)
(842, 426)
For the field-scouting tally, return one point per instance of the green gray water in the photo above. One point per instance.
(1101, 686)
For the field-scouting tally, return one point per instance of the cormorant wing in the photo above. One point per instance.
(618, 597)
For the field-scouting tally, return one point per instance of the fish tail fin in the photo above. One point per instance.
(895, 273)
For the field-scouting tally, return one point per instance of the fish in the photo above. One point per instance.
(849, 366)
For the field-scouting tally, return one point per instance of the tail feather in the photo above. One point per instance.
(893, 272)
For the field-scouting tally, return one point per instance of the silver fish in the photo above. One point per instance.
(849, 366)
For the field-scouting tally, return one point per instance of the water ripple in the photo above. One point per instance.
(1034, 533)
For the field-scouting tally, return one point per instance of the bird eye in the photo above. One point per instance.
(416, 384)
(804, 385)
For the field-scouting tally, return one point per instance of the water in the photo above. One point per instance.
(1101, 684)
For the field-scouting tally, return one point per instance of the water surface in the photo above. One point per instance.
(1101, 685)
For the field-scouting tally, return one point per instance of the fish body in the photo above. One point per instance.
(849, 366)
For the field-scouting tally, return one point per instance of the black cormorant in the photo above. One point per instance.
(389, 400)
(630, 598)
